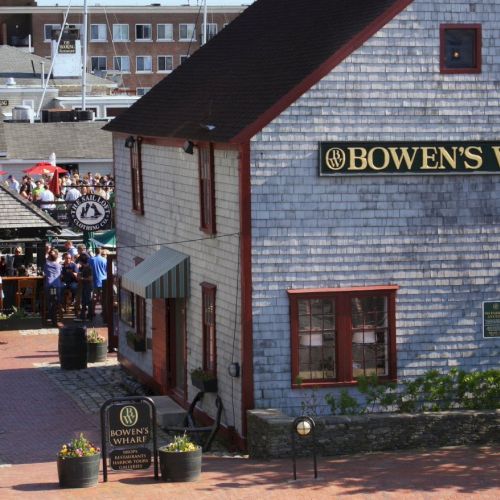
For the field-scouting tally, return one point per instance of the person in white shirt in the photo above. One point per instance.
(47, 196)
(13, 184)
(72, 194)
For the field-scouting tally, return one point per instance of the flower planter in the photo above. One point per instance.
(180, 466)
(97, 352)
(204, 384)
(136, 344)
(80, 472)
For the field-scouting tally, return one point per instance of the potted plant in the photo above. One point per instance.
(78, 463)
(135, 342)
(97, 347)
(204, 380)
(180, 460)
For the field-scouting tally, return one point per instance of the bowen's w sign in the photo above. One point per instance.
(403, 158)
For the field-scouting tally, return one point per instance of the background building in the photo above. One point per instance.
(134, 46)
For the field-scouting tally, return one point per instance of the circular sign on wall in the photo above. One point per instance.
(90, 212)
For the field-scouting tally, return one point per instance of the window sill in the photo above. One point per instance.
(165, 72)
(165, 40)
(143, 72)
(122, 41)
(141, 40)
(333, 384)
(98, 41)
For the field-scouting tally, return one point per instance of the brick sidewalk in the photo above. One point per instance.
(37, 415)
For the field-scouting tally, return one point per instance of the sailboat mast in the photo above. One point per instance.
(84, 56)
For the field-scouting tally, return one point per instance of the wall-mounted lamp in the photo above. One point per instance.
(456, 54)
(129, 142)
(234, 369)
(188, 147)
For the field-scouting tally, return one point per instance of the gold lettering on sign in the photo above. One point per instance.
(403, 157)
(477, 158)
(496, 150)
(335, 159)
(451, 158)
(371, 162)
(357, 154)
(428, 156)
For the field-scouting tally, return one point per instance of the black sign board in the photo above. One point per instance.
(128, 424)
(408, 158)
(90, 212)
(134, 458)
(491, 319)
(67, 47)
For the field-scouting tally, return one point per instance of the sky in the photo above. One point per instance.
(167, 3)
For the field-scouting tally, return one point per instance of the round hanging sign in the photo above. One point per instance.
(90, 212)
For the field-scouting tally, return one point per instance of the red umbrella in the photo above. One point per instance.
(54, 185)
(44, 167)
(3, 172)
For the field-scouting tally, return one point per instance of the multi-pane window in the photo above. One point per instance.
(47, 29)
(144, 64)
(211, 31)
(208, 327)
(121, 63)
(120, 33)
(142, 90)
(98, 33)
(98, 63)
(341, 334)
(460, 48)
(207, 188)
(143, 32)
(186, 32)
(165, 63)
(135, 146)
(165, 32)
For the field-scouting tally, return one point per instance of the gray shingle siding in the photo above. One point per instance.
(437, 237)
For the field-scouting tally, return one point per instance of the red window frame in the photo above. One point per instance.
(207, 188)
(208, 322)
(136, 176)
(476, 68)
(140, 317)
(343, 332)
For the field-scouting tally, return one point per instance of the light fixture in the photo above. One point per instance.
(188, 147)
(207, 126)
(304, 427)
(234, 369)
(129, 142)
(455, 54)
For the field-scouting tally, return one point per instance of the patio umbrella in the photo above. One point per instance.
(44, 167)
(3, 172)
(54, 185)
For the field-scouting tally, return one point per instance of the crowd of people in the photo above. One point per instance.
(79, 273)
(71, 187)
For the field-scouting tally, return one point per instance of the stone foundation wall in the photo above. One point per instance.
(269, 432)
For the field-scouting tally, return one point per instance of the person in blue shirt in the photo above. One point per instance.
(99, 265)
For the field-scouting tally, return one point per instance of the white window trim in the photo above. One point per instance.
(158, 39)
(121, 71)
(54, 26)
(141, 40)
(120, 40)
(142, 71)
(99, 40)
(99, 57)
(164, 70)
(193, 38)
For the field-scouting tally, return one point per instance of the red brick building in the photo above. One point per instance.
(134, 46)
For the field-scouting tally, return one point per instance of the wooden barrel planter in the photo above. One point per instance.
(79, 472)
(97, 352)
(73, 348)
(178, 466)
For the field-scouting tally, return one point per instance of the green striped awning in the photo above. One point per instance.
(163, 275)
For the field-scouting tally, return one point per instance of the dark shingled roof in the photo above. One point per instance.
(254, 68)
(18, 213)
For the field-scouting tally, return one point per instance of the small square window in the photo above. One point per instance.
(460, 48)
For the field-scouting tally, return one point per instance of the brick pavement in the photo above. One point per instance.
(40, 410)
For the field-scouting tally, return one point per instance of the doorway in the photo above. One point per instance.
(169, 346)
